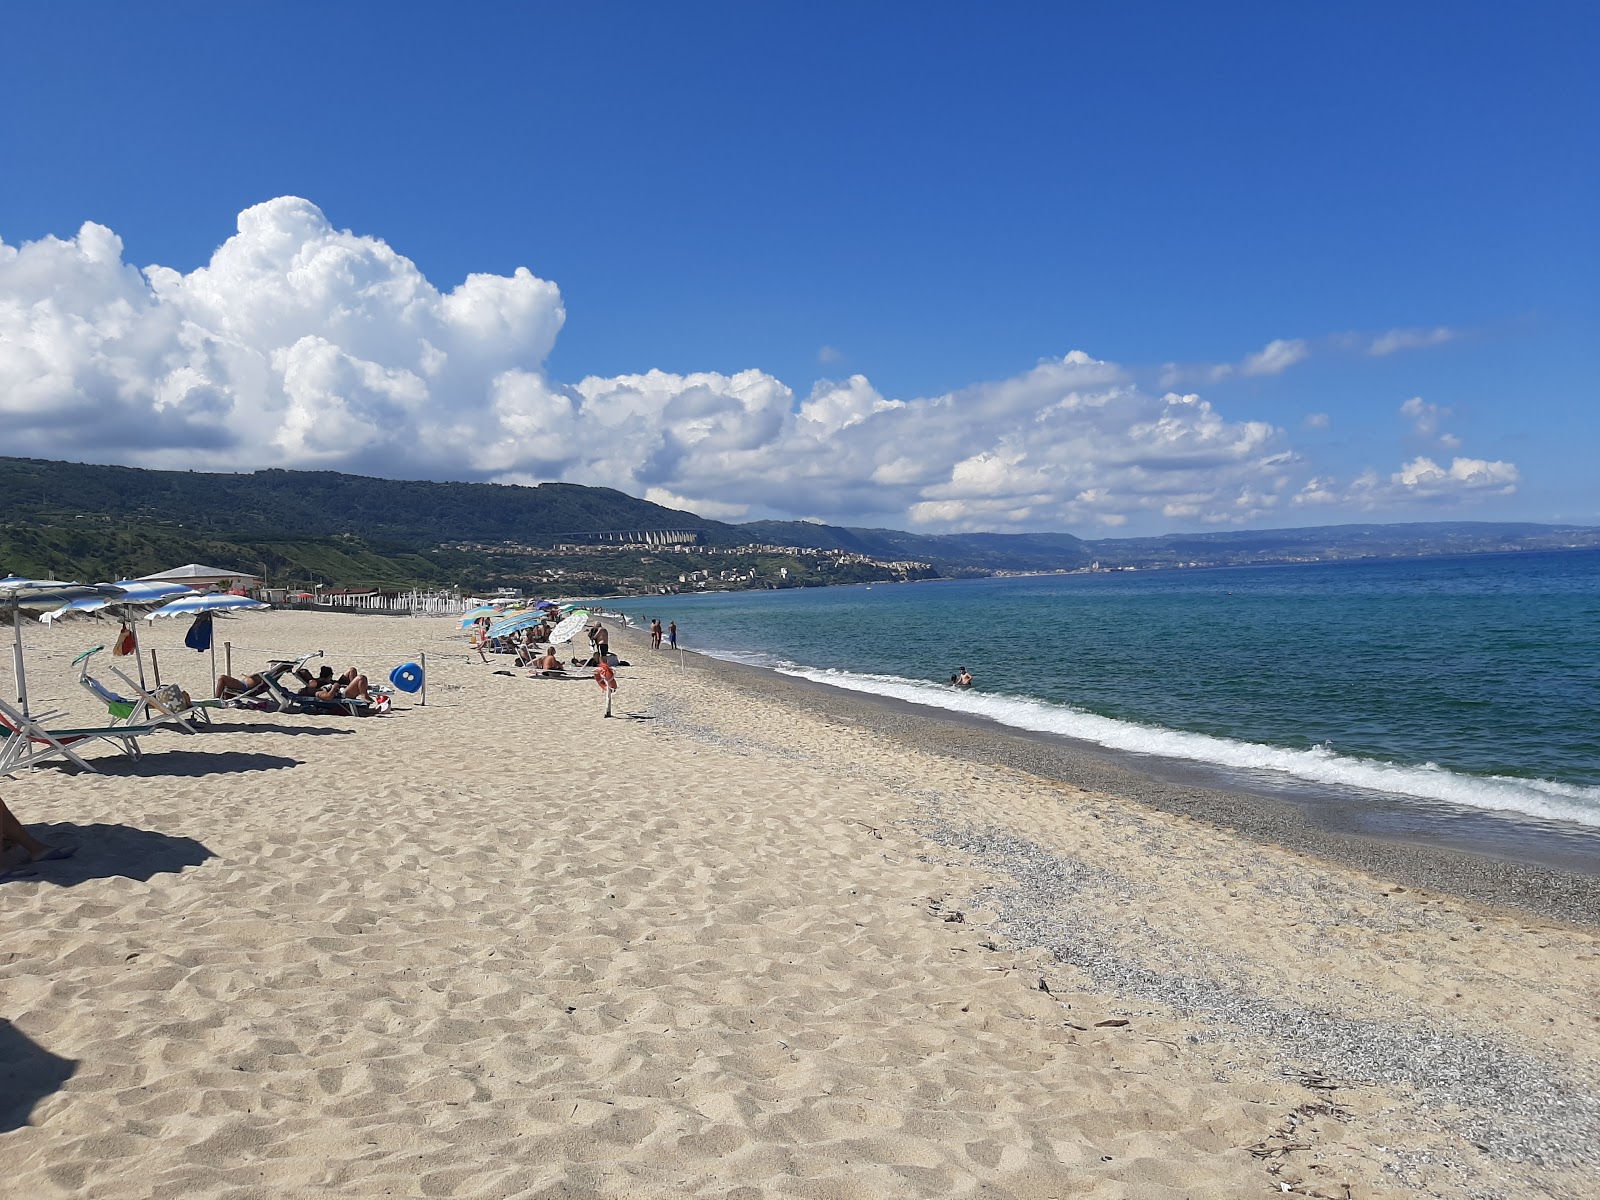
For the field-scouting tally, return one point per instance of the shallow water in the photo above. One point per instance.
(1469, 681)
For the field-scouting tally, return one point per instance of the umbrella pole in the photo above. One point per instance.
(213, 660)
(16, 660)
(138, 655)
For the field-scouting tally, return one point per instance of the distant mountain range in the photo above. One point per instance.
(75, 518)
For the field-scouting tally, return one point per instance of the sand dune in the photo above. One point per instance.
(728, 946)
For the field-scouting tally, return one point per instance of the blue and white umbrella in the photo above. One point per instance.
(515, 623)
(138, 597)
(207, 604)
(20, 596)
(486, 610)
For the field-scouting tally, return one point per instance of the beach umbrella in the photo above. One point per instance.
(205, 602)
(209, 604)
(515, 623)
(20, 597)
(569, 627)
(138, 597)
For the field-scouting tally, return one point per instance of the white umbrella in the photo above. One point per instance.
(23, 596)
(569, 626)
(206, 602)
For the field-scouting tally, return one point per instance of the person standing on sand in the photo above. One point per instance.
(601, 640)
(655, 633)
(672, 635)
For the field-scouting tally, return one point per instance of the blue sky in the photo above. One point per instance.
(926, 209)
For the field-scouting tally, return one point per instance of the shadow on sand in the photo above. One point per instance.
(266, 727)
(28, 1073)
(187, 764)
(107, 852)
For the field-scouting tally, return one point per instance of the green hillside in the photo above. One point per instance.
(80, 521)
(276, 503)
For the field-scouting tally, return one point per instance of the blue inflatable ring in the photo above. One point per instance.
(407, 677)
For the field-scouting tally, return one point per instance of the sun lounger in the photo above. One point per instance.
(164, 706)
(24, 740)
(286, 701)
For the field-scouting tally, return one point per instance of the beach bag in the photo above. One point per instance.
(125, 644)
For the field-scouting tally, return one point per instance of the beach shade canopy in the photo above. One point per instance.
(515, 623)
(209, 604)
(20, 598)
(485, 610)
(198, 575)
(137, 597)
(569, 627)
(205, 602)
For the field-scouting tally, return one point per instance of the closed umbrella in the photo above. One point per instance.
(21, 598)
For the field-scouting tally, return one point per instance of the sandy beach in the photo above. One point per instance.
(750, 938)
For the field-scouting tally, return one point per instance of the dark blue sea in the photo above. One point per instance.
(1472, 682)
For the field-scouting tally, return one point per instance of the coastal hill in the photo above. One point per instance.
(80, 520)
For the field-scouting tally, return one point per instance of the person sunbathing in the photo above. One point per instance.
(229, 688)
(13, 836)
(549, 663)
(352, 685)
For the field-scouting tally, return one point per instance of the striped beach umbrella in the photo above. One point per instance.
(20, 597)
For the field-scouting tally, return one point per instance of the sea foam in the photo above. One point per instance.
(1317, 764)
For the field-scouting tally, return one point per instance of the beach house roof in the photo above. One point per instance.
(198, 575)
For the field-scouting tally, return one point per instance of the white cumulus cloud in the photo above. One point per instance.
(1420, 481)
(302, 345)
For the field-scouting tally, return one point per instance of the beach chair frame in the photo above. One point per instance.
(24, 740)
(148, 709)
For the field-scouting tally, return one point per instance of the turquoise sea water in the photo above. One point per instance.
(1470, 681)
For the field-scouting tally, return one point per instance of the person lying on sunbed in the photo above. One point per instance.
(19, 848)
(352, 685)
(229, 688)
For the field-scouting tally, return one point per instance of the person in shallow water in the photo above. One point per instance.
(962, 678)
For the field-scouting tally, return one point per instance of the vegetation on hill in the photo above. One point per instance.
(75, 520)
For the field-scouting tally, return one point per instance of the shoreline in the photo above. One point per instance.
(1481, 876)
(753, 937)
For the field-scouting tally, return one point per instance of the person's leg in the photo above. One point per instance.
(356, 689)
(13, 834)
(228, 686)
